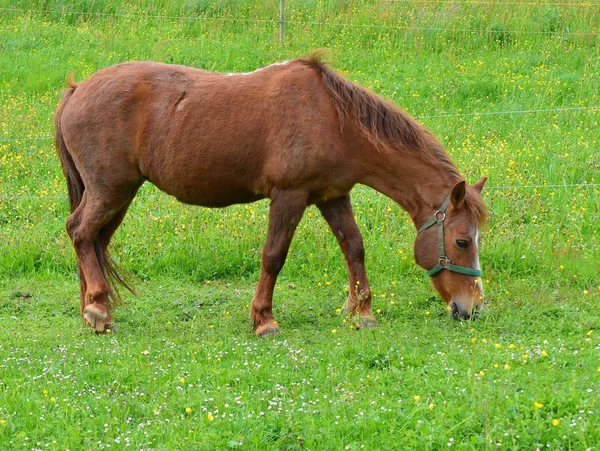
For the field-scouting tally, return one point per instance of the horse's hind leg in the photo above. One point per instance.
(84, 226)
(94, 313)
(286, 211)
(338, 214)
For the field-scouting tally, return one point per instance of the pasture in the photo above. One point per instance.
(511, 91)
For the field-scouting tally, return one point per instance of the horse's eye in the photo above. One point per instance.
(463, 244)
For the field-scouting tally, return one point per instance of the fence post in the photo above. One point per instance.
(281, 20)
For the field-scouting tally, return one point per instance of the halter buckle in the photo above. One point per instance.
(444, 262)
(440, 216)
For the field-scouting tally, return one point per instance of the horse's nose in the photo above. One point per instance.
(458, 311)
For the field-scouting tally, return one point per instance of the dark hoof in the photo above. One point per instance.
(368, 323)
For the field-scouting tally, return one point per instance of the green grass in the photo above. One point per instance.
(418, 380)
(62, 387)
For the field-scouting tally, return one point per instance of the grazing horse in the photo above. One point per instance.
(296, 133)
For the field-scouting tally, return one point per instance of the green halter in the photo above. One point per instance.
(444, 262)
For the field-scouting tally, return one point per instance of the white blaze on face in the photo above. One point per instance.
(478, 282)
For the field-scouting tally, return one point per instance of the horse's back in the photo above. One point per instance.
(207, 138)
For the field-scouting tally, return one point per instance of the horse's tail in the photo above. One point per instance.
(74, 181)
(76, 188)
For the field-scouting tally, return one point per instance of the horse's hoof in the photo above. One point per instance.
(267, 330)
(365, 322)
(97, 319)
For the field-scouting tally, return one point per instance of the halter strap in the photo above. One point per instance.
(444, 262)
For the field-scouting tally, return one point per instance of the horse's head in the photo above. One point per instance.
(447, 246)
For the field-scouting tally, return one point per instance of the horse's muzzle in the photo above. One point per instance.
(458, 311)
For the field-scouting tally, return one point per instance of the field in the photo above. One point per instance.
(510, 88)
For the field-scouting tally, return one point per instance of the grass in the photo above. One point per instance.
(524, 376)
(420, 380)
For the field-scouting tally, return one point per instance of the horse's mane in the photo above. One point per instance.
(382, 123)
(385, 125)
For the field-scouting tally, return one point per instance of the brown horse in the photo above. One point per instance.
(294, 132)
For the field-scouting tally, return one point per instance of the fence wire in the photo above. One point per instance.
(426, 116)
(358, 189)
(496, 3)
(276, 22)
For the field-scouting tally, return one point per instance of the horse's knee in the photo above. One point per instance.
(273, 262)
(79, 238)
(77, 231)
(356, 251)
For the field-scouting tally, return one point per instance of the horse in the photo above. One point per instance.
(295, 132)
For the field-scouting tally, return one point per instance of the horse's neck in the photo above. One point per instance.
(418, 185)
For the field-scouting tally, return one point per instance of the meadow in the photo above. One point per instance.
(510, 89)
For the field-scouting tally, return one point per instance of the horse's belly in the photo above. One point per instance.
(208, 200)
(215, 194)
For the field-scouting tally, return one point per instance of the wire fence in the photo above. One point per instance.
(426, 116)
(359, 189)
(281, 21)
(449, 115)
(498, 3)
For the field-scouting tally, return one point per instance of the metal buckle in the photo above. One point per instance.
(444, 262)
(437, 216)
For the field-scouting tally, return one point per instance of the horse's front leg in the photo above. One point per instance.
(285, 214)
(338, 214)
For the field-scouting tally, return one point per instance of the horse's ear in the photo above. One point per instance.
(458, 193)
(479, 185)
